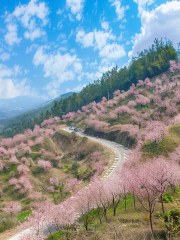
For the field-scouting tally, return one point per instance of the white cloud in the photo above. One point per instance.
(5, 71)
(105, 25)
(112, 51)
(60, 25)
(93, 64)
(31, 48)
(26, 71)
(10, 87)
(33, 9)
(98, 39)
(60, 67)
(79, 16)
(4, 56)
(161, 22)
(11, 36)
(78, 88)
(120, 10)
(59, 11)
(91, 76)
(63, 49)
(62, 35)
(71, 17)
(32, 16)
(142, 4)
(75, 6)
(34, 34)
(85, 39)
(101, 38)
(72, 32)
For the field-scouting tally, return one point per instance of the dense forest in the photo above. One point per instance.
(148, 63)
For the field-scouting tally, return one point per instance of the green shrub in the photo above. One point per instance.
(168, 198)
(5, 225)
(175, 129)
(34, 155)
(21, 217)
(172, 221)
(164, 147)
(36, 148)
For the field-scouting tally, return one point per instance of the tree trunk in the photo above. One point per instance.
(99, 215)
(105, 215)
(86, 223)
(150, 219)
(162, 203)
(134, 202)
(125, 202)
(54, 199)
(114, 211)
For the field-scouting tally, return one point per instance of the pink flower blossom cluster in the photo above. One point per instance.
(45, 165)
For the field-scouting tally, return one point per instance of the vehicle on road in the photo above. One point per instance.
(77, 129)
(71, 128)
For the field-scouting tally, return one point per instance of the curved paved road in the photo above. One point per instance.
(120, 152)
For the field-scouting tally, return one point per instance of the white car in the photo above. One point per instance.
(71, 128)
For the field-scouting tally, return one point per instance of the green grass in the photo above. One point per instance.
(167, 145)
(34, 155)
(36, 148)
(58, 235)
(122, 119)
(21, 217)
(5, 172)
(175, 129)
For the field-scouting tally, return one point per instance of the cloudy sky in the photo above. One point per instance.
(51, 47)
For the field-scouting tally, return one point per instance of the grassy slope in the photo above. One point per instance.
(74, 164)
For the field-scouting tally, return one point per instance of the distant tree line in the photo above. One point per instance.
(148, 63)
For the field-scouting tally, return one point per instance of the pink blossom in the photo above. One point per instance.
(122, 109)
(142, 99)
(12, 207)
(13, 181)
(132, 104)
(45, 165)
(39, 140)
(116, 93)
(14, 160)
(27, 150)
(140, 83)
(36, 196)
(22, 169)
(73, 184)
(113, 115)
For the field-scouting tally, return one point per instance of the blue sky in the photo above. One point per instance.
(51, 47)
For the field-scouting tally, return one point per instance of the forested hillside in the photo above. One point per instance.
(30, 118)
(148, 63)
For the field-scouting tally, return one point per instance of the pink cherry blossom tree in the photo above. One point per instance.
(132, 104)
(44, 165)
(12, 207)
(22, 169)
(14, 160)
(27, 150)
(73, 184)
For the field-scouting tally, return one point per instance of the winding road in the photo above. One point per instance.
(121, 153)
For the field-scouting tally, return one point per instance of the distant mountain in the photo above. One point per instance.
(42, 107)
(15, 106)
